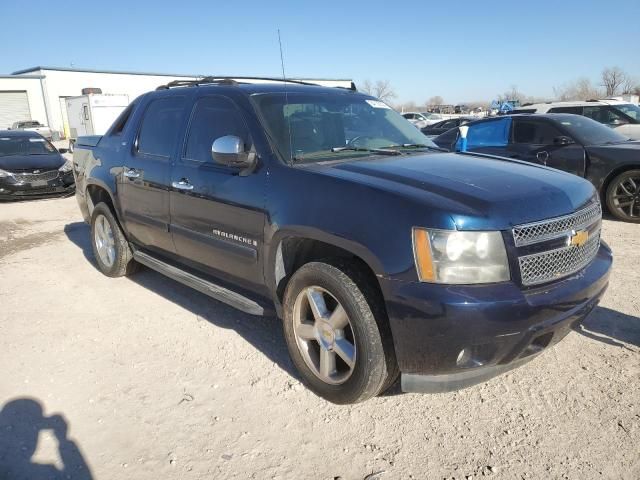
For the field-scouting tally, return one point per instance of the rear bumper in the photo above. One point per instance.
(62, 185)
(451, 337)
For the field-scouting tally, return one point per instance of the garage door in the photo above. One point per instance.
(14, 107)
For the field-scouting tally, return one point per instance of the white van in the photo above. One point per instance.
(93, 114)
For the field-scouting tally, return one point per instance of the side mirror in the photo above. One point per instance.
(230, 152)
(562, 140)
(63, 150)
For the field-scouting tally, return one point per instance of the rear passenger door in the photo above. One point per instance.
(144, 179)
(538, 141)
(217, 216)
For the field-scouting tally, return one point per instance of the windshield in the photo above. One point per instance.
(25, 146)
(326, 126)
(590, 132)
(630, 110)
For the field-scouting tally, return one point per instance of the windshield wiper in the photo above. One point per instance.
(418, 145)
(380, 151)
(383, 151)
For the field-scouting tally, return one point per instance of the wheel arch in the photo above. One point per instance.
(613, 174)
(292, 249)
(97, 192)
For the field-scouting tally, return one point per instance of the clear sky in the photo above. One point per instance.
(461, 50)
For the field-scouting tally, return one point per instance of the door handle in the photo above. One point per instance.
(131, 173)
(183, 184)
(542, 156)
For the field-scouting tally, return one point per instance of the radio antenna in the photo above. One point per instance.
(286, 99)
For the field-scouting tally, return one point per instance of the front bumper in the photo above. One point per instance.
(12, 188)
(449, 337)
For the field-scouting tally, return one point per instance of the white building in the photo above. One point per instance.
(39, 93)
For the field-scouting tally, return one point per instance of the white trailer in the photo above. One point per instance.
(93, 114)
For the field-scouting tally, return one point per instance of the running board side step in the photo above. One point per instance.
(217, 292)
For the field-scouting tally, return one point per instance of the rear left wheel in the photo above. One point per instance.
(110, 247)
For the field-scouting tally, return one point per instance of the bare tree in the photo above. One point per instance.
(512, 94)
(381, 89)
(581, 89)
(436, 100)
(612, 79)
(630, 85)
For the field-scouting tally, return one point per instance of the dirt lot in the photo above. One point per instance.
(154, 381)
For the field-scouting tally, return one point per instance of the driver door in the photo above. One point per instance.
(538, 141)
(217, 216)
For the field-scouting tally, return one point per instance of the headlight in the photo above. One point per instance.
(67, 167)
(5, 174)
(454, 257)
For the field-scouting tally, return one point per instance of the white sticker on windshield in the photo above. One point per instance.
(36, 140)
(378, 104)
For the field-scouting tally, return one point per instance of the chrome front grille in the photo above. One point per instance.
(549, 265)
(556, 227)
(35, 177)
(554, 264)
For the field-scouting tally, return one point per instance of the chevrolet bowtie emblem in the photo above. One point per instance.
(579, 238)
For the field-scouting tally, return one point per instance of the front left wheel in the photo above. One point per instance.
(337, 333)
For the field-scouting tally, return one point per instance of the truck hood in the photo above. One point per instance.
(13, 163)
(477, 192)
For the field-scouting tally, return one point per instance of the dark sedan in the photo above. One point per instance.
(572, 143)
(30, 166)
(445, 125)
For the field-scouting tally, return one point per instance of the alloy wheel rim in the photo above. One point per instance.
(105, 243)
(626, 197)
(324, 335)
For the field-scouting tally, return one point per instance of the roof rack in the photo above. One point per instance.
(227, 81)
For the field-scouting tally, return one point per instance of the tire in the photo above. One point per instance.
(119, 262)
(340, 284)
(623, 201)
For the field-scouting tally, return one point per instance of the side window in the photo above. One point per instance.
(489, 134)
(538, 133)
(159, 129)
(212, 118)
(574, 110)
(604, 114)
(121, 121)
(448, 124)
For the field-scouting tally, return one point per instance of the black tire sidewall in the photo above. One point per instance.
(610, 192)
(370, 370)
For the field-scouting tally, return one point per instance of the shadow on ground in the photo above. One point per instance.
(264, 333)
(611, 327)
(21, 422)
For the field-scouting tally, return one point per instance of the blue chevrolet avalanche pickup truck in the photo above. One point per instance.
(382, 254)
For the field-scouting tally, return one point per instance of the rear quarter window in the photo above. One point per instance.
(160, 125)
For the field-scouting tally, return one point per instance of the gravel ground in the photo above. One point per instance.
(143, 378)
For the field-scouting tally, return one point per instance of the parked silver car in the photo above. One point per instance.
(33, 126)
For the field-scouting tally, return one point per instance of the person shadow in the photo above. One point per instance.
(21, 422)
